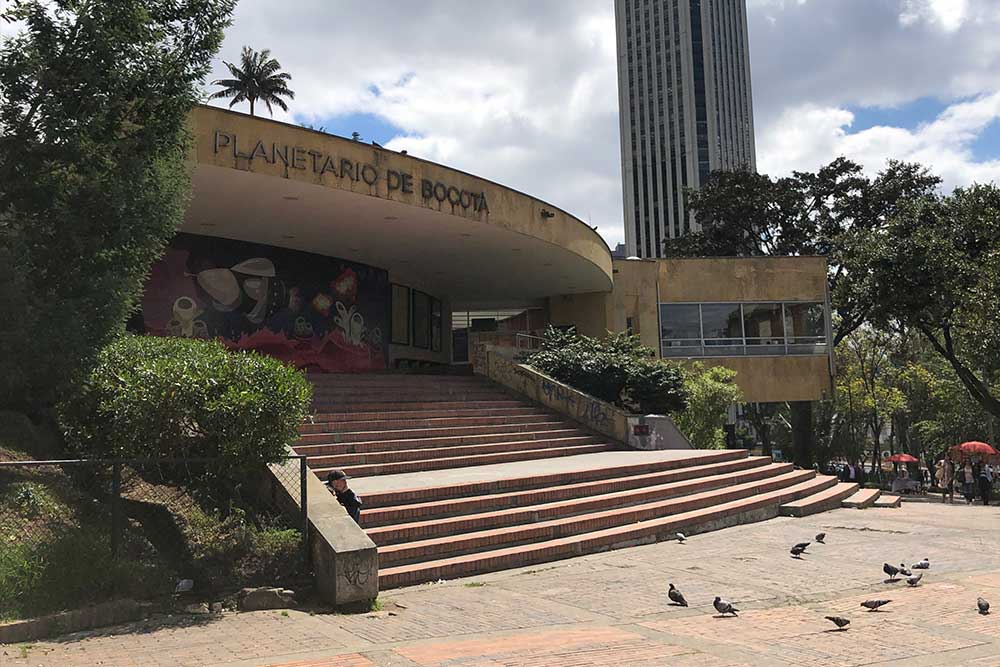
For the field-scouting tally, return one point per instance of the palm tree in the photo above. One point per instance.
(258, 78)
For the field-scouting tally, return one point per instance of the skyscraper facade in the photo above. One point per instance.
(685, 107)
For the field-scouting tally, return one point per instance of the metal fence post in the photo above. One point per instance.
(116, 509)
(304, 499)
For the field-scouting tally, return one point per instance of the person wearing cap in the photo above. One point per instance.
(337, 481)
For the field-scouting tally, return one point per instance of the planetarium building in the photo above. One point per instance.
(339, 256)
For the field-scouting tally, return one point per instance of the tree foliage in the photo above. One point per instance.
(617, 369)
(94, 99)
(259, 77)
(711, 391)
(152, 398)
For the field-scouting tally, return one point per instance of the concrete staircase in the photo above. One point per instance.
(459, 477)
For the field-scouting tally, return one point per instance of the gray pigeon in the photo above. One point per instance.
(839, 621)
(890, 570)
(798, 550)
(802, 545)
(819, 538)
(873, 605)
(680, 537)
(984, 606)
(914, 580)
(903, 571)
(676, 596)
(922, 565)
(724, 606)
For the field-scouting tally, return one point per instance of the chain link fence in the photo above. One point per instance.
(85, 530)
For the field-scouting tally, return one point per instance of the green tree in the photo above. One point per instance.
(934, 267)
(94, 100)
(259, 77)
(710, 393)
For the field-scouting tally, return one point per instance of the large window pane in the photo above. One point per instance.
(400, 315)
(763, 324)
(805, 322)
(421, 320)
(721, 324)
(679, 322)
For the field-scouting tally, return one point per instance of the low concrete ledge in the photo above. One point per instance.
(344, 559)
(97, 616)
(648, 432)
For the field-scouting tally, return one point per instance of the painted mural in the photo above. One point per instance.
(317, 313)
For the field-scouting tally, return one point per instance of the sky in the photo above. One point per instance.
(524, 92)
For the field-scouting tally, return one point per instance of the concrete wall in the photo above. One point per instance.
(744, 279)
(776, 379)
(507, 208)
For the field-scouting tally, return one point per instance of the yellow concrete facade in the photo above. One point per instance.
(233, 140)
(640, 285)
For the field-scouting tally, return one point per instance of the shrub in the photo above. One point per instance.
(617, 369)
(710, 393)
(153, 397)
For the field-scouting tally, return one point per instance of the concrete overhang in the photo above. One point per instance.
(268, 182)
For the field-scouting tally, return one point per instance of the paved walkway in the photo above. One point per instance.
(611, 608)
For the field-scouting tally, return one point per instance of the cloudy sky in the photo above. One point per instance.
(524, 92)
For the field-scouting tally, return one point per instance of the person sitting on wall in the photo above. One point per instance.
(337, 481)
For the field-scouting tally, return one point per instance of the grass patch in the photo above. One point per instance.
(474, 584)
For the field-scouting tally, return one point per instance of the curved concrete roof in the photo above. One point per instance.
(465, 238)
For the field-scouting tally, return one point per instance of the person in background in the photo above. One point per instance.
(945, 477)
(849, 473)
(985, 481)
(337, 481)
(968, 477)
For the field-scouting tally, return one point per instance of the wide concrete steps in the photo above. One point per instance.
(886, 500)
(861, 499)
(747, 506)
(431, 432)
(524, 416)
(825, 499)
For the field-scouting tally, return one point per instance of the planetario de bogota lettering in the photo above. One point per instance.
(320, 163)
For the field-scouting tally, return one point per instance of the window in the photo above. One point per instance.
(435, 325)
(400, 315)
(735, 329)
(421, 320)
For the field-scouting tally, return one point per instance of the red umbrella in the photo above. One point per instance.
(902, 458)
(974, 448)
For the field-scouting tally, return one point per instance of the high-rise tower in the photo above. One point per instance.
(685, 107)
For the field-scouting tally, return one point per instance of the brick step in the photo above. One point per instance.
(507, 486)
(337, 449)
(861, 499)
(384, 407)
(827, 499)
(465, 461)
(743, 510)
(518, 409)
(521, 516)
(451, 545)
(887, 500)
(371, 379)
(536, 417)
(400, 455)
(389, 435)
(472, 505)
(409, 396)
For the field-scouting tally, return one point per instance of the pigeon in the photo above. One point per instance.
(891, 571)
(922, 565)
(840, 622)
(802, 545)
(903, 571)
(724, 606)
(680, 537)
(913, 581)
(676, 596)
(376, 144)
(819, 538)
(873, 605)
(798, 550)
(984, 606)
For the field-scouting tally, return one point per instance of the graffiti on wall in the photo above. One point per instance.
(587, 410)
(315, 312)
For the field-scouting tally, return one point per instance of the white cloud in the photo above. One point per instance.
(949, 14)
(806, 137)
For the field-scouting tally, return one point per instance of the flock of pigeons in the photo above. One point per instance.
(725, 607)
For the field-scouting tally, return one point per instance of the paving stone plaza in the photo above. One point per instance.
(611, 608)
